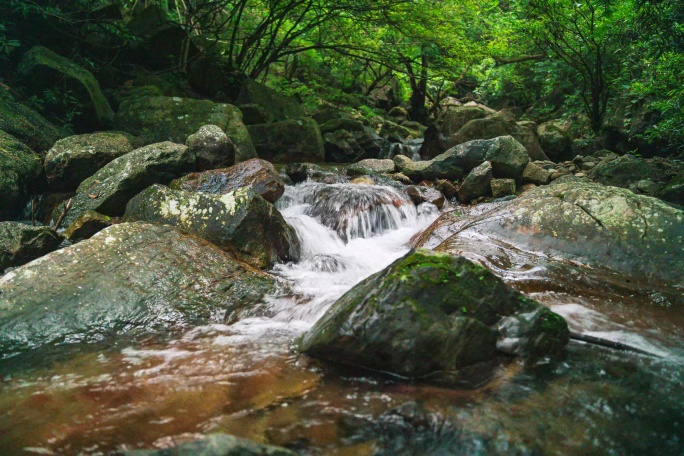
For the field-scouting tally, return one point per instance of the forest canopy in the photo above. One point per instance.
(566, 59)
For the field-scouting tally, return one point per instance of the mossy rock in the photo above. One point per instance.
(290, 141)
(40, 56)
(273, 106)
(239, 221)
(25, 124)
(74, 159)
(673, 192)
(174, 119)
(21, 243)
(109, 190)
(426, 313)
(136, 279)
(19, 171)
(87, 225)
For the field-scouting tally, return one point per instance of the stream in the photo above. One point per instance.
(247, 380)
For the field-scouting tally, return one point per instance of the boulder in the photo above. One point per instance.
(476, 184)
(109, 190)
(21, 243)
(535, 174)
(556, 142)
(441, 167)
(75, 158)
(290, 141)
(673, 192)
(348, 146)
(502, 187)
(426, 314)
(87, 225)
(25, 124)
(257, 174)
(40, 57)
(217, 445)
(628, 170)
(239, 221)
(507, 156)
(212, 147)
(370, 166)
(173, 119)
(132, 278)
(272, 106)
(492, 127)
(422, 194)
(586, 223)
(19, 171)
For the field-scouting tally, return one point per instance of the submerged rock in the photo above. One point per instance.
(74, 159)
(21, 243)
(238, 221)
(217, 445)
(255, 173)
(19, 171)
(426, 313)
(109, 190)
(133, 278)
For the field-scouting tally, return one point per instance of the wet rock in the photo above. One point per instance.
(40, 56)
(502, 187)
(290, 141)
(476, 184)
(588, 223)
(370, 166)
(25, 124)
(19, 171)
(447, 188)
(507, 156)
(535, 174)
(445, 166)
(159, 119)
(87, 225)
(421, 194)
(217, 445)
(673, 192)
(212, 147)
(299, 172)
(493, 127)
(21, 243)
(556, 142)
(627, 171)
(272, 106)
(239, 221)
(426, 313)
(132, 278)
(75, 158)
(109, 190)
(257, 174)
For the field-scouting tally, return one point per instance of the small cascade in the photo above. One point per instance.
(347, 232)
(408, 148)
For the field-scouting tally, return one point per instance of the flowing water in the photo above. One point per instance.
(245, 379)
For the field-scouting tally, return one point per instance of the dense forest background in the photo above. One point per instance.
(606, 68)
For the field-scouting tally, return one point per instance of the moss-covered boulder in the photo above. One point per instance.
(291, 141)
(40, 56)
(25, 124)
(427, 313)
(19, 171)
(109, 190)
(271, 105)
(239, 221)
(627, 170)
(217, 445)
(370, 166)
(74, 159)
(673, 192)
(174, 119)
(555, 141)
(87, 225)
(212, 147)
(257, 174)
(132, 278)
(21, 243)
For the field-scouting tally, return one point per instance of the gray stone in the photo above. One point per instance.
(502, 187)
(212, 147)
(19, 171)
(535, 174)
(476, 183)
(370, 166)
(21, 243)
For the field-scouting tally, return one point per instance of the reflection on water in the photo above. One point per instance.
(245, 379)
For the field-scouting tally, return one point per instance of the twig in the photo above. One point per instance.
(610, 344)
(67, 206)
